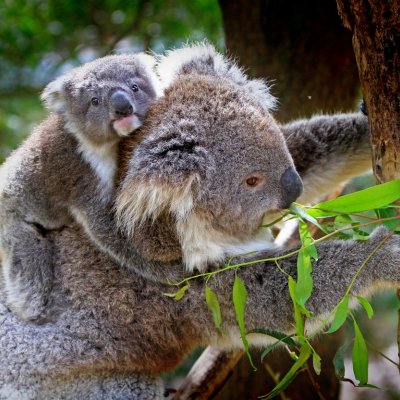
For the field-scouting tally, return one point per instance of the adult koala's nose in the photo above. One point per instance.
(121, 104)
(292, 187)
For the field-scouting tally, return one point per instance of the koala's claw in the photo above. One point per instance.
(363, 108)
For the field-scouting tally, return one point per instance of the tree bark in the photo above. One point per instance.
(208, 375)
(301, 45)
(376, 39)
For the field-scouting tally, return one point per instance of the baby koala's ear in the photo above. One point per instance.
(149, 62)
(54, 94)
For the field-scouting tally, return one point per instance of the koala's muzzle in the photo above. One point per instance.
(292, 187)
(121, 104)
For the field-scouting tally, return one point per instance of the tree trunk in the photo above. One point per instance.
(376, 39)
(301, 45)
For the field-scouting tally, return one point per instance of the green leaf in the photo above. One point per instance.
(368, 385)
(360, 235)
(367, 306)
(283, 337)
(304, 282)
(307, 241)
(302, 213)
(360, 356)
(304, 355)
(239, 294)
(388, 212)
(340, 315)
(213, 305)
(179, 294)
(363, 200)
(343, 221)
(316, 360)
(338, 362)
(298, 317)
(269, 348)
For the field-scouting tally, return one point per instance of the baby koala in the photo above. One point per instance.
(66, 169)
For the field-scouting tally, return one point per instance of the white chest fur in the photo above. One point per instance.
(103, 161)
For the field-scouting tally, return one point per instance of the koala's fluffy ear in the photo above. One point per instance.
(54, 94)
(164, 175)
(203, 59)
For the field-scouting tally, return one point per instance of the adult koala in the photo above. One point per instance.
(114, 326)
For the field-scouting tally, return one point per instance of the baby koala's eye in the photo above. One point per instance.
(135, 87)
(95, 101)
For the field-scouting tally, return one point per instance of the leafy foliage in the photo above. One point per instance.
(343, 209)
(39, 36)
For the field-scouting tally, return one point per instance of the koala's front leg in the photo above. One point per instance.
(28, 270)
(328, 150)
(97, 218)
(269, 304)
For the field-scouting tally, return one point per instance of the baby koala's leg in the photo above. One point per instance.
(28, 271)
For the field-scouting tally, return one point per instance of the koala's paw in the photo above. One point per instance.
(363, 108)
(27, 302)
(387, 247)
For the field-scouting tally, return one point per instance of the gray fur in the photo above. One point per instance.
(111, 321)
(184, 194)
(65, 167)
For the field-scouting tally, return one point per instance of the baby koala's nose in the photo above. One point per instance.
(121, 104)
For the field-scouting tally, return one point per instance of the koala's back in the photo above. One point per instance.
(39, 178)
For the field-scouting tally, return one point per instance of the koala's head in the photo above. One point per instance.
(104, 99)
(212, 156)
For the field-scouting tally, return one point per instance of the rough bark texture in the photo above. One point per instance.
(301, 45)
(376, 38)
(208, 375)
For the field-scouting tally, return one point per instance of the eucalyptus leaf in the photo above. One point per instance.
(283, 337)
(268, 349)
(304, 282)
(213, 305)
(307, 241)
(316, 359)
(367, 306)
(303, 214)
(363, 200)
(360, 356)
(239, 295)
(388, 212)
(338, 362)
(340, 315)
(179, 294)
(298, 317)
(304, 355)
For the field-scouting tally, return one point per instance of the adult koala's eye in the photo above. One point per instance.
(95, 101)
(135, 87)
(254, 180)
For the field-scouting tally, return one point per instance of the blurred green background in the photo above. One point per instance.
(40, 39)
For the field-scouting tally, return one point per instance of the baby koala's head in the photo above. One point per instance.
(105, 99)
